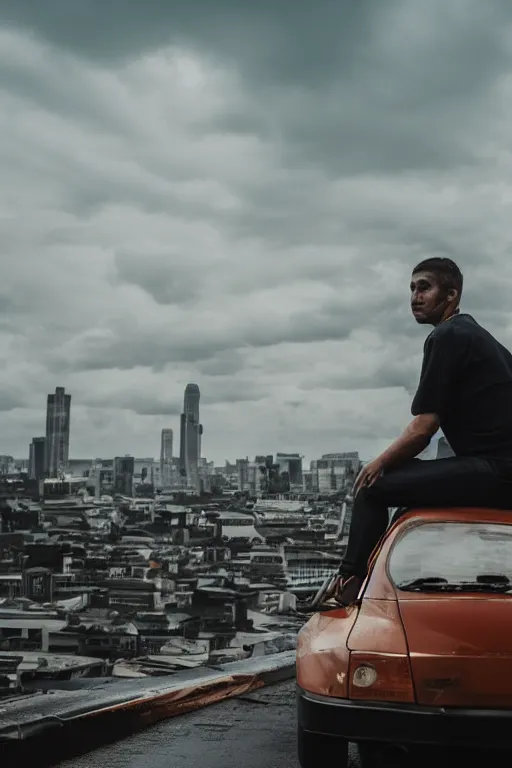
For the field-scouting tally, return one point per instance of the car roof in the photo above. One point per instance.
(454, 514)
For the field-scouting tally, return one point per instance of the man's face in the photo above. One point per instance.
(428, 300)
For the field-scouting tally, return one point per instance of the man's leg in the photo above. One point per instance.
(453, 482)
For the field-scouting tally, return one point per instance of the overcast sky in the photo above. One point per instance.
(233, 193)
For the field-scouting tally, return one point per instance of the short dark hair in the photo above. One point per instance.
(446, 271)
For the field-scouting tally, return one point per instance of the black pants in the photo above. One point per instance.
(454, 482)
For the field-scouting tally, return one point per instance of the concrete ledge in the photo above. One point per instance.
(142, 702)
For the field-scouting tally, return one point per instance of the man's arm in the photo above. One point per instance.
(413, 440)
(438, 381)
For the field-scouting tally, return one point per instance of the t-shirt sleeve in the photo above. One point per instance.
(438, 375)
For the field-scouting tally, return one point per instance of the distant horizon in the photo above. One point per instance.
(156, 457)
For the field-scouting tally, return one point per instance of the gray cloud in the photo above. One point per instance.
(140, 403)
(9, 401)
(225, 363)
(157, 347)
(167, 278)
(374, 87)
(236, 197)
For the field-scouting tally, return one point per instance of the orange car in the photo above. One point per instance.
(424, 656)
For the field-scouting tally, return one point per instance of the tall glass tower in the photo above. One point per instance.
(58, 412)
(190, 437)
(166, 456)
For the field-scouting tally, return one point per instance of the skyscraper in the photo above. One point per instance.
(123, 475)
(58, 413)
(166, 456)
(292, 464)
(190, 437)
(37, 458)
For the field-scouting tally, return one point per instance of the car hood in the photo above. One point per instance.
(460, 649)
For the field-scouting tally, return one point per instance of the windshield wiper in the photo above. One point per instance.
(492, 578)
(423, 583)
(483, 583)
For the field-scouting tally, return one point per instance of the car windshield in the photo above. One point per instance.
(453, 557)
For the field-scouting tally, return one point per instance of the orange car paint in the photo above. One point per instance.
(378, 628)
(460, 647)
(322, 653)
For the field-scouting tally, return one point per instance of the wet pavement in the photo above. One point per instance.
(256, 731)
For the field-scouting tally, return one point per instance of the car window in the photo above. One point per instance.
(455, 552)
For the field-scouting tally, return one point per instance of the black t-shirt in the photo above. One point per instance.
(466, 379)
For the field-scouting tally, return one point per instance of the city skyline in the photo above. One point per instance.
(148, 442)
(168, 447)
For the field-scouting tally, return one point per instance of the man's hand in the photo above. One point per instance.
(369, 474)
(412, 441)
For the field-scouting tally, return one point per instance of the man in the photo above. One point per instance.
(465, 390)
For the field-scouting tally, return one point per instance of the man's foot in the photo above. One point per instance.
(325, 592)
(347, 590)
(336, 592)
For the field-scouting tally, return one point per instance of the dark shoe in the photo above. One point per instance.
(325, 592)
(347, 590)
(334, 593)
